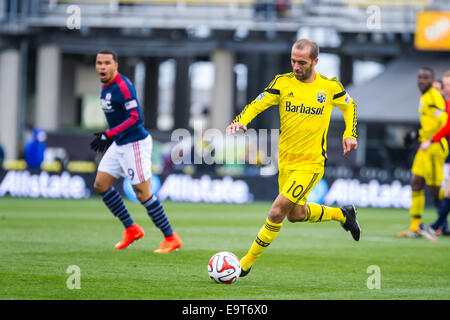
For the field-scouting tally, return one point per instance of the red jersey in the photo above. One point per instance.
(445, 130)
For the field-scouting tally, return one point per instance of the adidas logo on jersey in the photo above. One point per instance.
(291, 95)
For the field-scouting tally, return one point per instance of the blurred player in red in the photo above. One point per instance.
(128, 149)
(440, 226)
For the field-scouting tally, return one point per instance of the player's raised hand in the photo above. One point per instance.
(232, 128)
(349, 144)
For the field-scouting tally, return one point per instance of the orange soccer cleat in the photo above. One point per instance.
(169, 244)
(408, 233)
(132, 233)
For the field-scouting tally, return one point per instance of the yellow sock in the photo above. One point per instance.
(265, 237)
(416, 209)
(318, 213)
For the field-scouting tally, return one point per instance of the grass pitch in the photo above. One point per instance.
(40, 239)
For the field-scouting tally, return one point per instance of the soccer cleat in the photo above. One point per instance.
(131, 234)
(169, 244)
(351, 224)
(408, 233)
(244, 272)
(428, 232)
(443, 232)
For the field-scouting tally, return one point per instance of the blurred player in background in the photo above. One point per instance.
(440, 226)
(34, 150)
(438, 84)
(128, 155)
(305, 99)
(428, 164)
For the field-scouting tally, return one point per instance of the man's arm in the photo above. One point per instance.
(131, 120)
(265, 100)
(103, 139)
(441, 133)
(345, 103)
(130, 107)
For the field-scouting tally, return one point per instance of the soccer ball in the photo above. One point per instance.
(224, 267)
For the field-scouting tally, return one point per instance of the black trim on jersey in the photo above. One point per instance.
(338, 95)
(335, 79)
(308, 212)
(273, 91)
(354, 133)
(324, 153)
(288, 75)
(274, 81)
(238, 117)
(321, 215)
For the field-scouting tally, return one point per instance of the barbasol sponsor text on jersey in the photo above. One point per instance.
(303, 109)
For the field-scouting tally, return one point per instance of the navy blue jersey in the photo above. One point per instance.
(122, 110)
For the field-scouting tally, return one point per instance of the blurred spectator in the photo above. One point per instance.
(282, 7)
(309, 4)
(264, 9)
(439, 86)
(35, 148)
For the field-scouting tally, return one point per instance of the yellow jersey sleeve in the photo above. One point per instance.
(432, 114)
(345, 103)
(268, 98)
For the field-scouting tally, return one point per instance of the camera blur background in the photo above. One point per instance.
(195, 65)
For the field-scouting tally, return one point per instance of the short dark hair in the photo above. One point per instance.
(111, 52)
(428, 69)
(314, 48)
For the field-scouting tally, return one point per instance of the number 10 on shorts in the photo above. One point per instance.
(299, 185)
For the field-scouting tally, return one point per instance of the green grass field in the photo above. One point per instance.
(40, 239)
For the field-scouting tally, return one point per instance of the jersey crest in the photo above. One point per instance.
(321, 97)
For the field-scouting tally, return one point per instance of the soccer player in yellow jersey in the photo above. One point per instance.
(428, 164)
(305, 99)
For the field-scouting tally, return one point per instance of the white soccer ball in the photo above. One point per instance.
(224, 267)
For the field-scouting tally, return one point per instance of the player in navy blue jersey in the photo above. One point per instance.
(128, 149)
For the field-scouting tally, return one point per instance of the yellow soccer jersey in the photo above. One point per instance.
(305, 111)
(432, 113)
